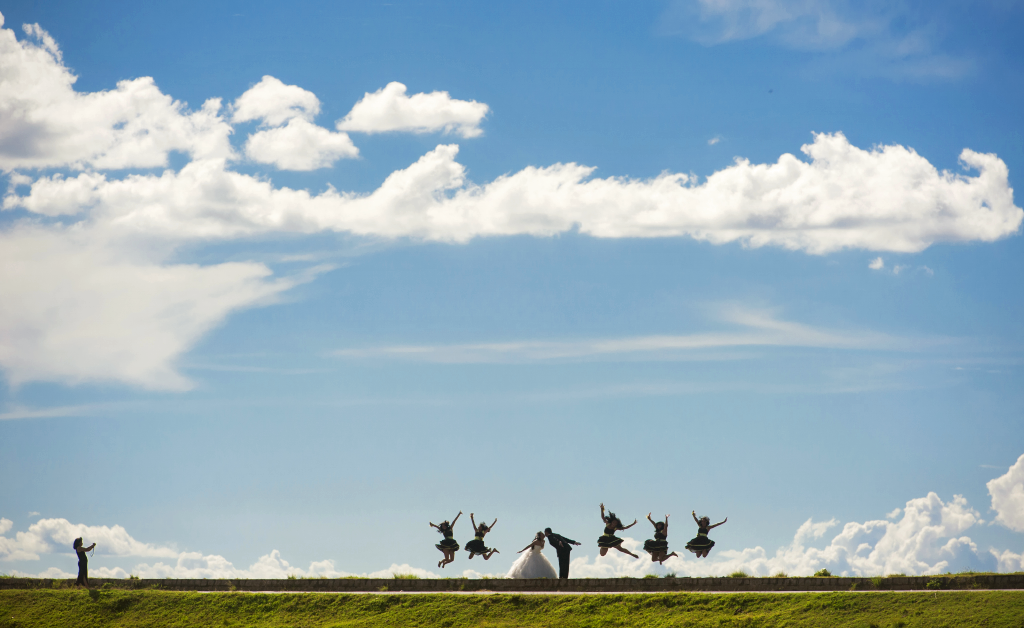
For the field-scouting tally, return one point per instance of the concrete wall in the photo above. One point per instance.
(582, 585)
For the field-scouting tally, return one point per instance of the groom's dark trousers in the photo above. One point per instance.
(562, 547)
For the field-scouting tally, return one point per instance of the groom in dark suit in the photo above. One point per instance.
(562, 547)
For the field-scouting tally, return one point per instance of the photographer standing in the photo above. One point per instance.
(83, 562)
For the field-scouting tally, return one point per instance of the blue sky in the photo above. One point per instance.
(754, 259)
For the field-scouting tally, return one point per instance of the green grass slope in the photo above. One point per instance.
(64, 608)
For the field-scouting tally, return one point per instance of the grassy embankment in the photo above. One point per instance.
(62, 608)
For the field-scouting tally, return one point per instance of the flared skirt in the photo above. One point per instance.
(700, 543)
(608, 540)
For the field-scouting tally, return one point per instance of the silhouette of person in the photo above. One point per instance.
(701, 544)
(449, 545)
(562, 547)
(476, 546)
(658, 546)
(83, 562)
(608, 540)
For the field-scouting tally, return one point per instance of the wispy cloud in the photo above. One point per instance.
(875, 38)
(237, 368)
(879, 264)
(45, 413)
(756, 329)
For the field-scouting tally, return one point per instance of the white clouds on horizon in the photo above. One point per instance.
(1007, 492)
(926, 536)
(927, 539)
(48, 536)
(54, 536)
(389, 109)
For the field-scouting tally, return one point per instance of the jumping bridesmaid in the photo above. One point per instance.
(476, 546)
(449, 545)
(608, 540)
(658, 546)
(701, 544)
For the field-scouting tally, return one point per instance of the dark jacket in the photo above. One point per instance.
(560, 543)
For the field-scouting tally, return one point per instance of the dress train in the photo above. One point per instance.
(532, 564)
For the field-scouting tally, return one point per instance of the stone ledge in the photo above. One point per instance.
(582, 585)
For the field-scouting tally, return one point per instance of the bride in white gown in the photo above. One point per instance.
(533, 564)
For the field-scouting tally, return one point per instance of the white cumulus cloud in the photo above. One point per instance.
(45, 123)
(926, 536)
(877, 264)
(1007, 493)
(886, 199)
(55, 536)
(292, 142)
(87, 291)
(47, 536)
(1009, 561)
(929, 538)
(275, 103)
(299, 145)
(390, 109)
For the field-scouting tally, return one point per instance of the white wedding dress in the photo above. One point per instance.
(532, 564)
